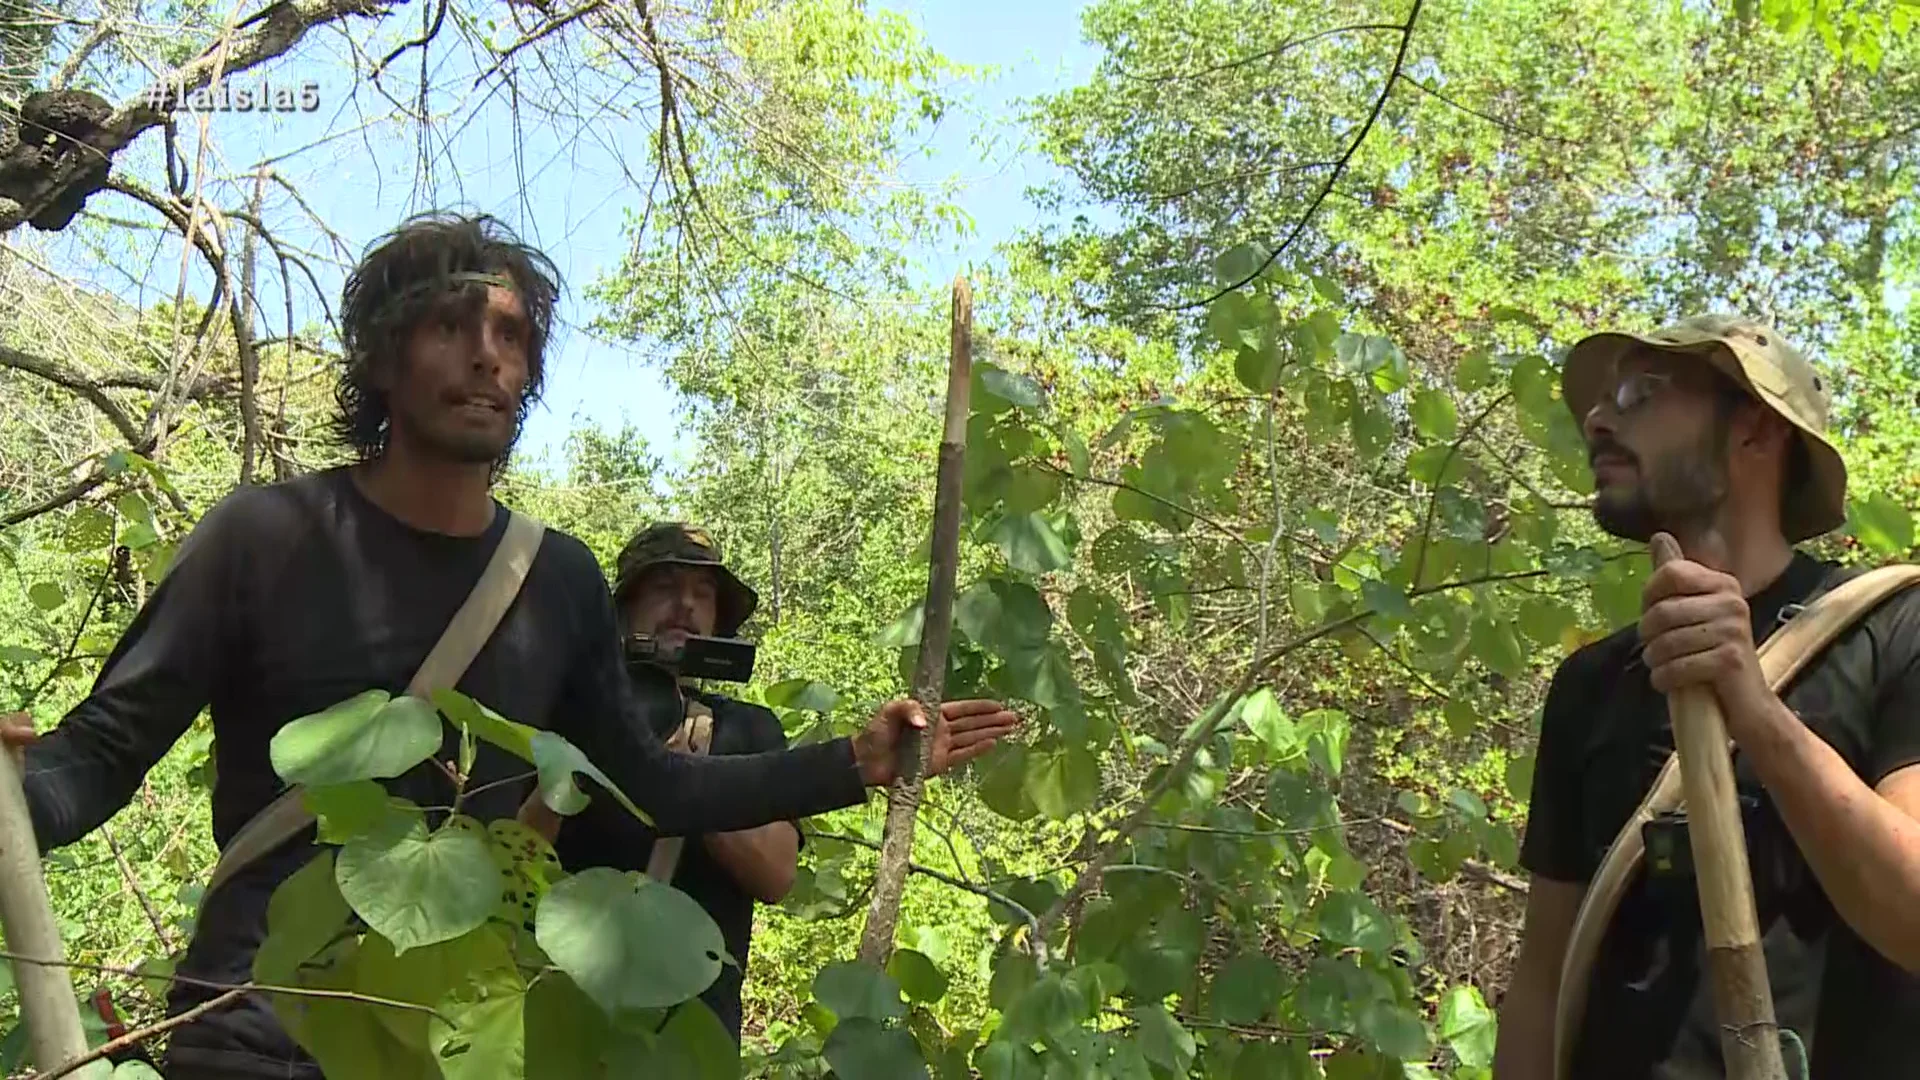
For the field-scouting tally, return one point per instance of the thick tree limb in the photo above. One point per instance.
(262, 37)
(61, 375)
(930, 671)
(71, 493)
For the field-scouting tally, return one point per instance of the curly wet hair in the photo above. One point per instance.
(432, 261)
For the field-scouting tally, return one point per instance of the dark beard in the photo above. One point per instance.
(459, 446)
(1679, 495)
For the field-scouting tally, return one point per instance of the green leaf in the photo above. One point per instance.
(1238, 263)
(1044, 1009)
(1354, 921)
(905, 630)
(852, 989)
(1269, 722)
(1078, 459)
(303, 915)
(347, 810)
(14, 654)
(804, 695)
(484, 1033)
(47, 595)
(559, 761)
(87, 529)
(1027, 488)
(1012, 388)
(1005, 617)
(629, 942)
(1063, 782)
(428, 976)
(1001, 1060)
(1434, 415)
(1372, 431)
(370, 736)
(1474, 371)
(1438, 465)
(1030, 543)
(1003, 783)
(1519, 777)
(417, 887)
(1247, 989)
(1386, 599)
(1497, 646)
(861, 1049)
(917, 975)
(1396, 1031)
(565, 1031)
(467, 714)
(1327, 731)
(1234, 321)
(1881, 524)
(694, 1045)
(1258, 369)
(1164, 1042)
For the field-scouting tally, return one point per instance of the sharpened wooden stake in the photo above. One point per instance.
(1742, 996)
(26, 917)
(930, 672)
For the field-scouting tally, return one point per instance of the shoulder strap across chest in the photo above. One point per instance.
(1783, 656)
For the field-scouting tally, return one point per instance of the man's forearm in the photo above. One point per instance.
(762, 860)
(1864, 850)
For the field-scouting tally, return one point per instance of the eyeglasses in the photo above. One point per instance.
(1635, 389)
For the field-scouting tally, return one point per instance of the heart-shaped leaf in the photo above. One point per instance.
(627, 941)
(370, 736)
(417, 887)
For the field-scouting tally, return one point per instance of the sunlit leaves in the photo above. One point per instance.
(1062, 782)
(628, 942)
(370, 736)
(47, 595)
(1884, 526)
(1468, 1026)
(918, 977)
(994, 383)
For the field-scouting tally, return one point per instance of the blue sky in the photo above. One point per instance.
(573, 204)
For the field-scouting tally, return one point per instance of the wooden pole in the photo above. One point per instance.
(1742, 996)
(930, 673)
(26, 917)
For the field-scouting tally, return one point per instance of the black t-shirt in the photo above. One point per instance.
(605, 838)
(1604, 737)
(289, 598)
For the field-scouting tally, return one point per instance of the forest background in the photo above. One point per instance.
(1274, 519)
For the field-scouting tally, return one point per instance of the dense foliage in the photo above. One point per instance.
(1273, 525)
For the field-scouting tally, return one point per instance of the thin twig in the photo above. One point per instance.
(135, 1037)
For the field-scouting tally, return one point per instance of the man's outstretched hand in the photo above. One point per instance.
(16, 731)
(965, 730)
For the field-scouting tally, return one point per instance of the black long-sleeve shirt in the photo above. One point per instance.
(289, 598)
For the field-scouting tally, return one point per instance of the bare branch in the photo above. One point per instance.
(269, 34)
(102, 30)
(59, 374)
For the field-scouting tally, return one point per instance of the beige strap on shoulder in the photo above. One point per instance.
(459, 643)
(693, 737)
(1783, 656)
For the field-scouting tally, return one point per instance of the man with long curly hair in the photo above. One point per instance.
(287, 599)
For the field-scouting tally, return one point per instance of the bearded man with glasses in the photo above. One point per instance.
(1713, 431)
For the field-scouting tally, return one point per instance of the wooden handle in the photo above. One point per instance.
(26, 916)
(1742, 996)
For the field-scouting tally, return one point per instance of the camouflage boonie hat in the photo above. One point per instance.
(680, 544)
(1757, 358)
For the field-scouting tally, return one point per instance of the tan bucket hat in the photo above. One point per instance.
(1753, 355)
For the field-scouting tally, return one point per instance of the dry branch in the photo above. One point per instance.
(262, 37)
(930, 670)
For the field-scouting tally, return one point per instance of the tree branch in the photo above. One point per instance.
(1339, 169)
(269, 34)
(1033, 921)
(61, 375)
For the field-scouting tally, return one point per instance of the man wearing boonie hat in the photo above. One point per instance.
(671, 584)
(1714, 431)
